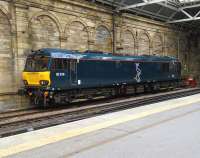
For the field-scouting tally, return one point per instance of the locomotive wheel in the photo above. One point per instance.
(68, 99)
(37, 100)
(123, 90)
(117, 91)
(171, 86)
(148, 88)
(155, 87)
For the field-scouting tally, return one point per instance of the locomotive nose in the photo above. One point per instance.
(36, 78)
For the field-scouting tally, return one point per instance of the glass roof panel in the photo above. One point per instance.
(169, 11)
(188, 1)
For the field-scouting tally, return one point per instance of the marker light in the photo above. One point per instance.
(44, 82)
(25, 82)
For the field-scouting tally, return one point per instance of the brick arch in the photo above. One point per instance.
(157, 44)
(44, 31)
(67, 27)
(144, 43)
(77, 36)
(128, 42)
(183, 45)
(6, 13)
(5, 34)
(171, 45)
(183, 49)
(7, 71)
(104, 25)
(51, 16)
(103, 39)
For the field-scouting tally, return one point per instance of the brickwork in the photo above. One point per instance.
(44, 32)
(144, 43)
(128, 43)
(78, 36)
(78, 25)
(5, 36)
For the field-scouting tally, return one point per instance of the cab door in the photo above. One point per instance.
(60, 73)
(73, 72)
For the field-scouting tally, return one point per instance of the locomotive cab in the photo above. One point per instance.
(37, 71)
(41, 71)
(44, 74)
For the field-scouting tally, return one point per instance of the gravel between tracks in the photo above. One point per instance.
(33, 119)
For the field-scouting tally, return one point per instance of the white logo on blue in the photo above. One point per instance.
(138, 72)
(60, 74)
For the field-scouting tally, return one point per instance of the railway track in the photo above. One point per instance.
(20, 121)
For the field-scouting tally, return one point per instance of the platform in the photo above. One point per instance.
(166, 129)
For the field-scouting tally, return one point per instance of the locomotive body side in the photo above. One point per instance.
(107, 73)
(63, 75)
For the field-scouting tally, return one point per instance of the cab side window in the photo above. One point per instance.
(60, 64)
(57, 64)
(165, 67)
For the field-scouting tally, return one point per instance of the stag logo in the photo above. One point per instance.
(138, 72)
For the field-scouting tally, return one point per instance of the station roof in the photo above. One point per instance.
(179, 12)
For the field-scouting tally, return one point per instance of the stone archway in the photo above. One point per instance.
(143, 44)
(44, 32)
(128, 43)
(172, 46)
(103, 40)
(183, 53)
(7, 72)
(78, 37)
(5, 36)
(157, 45)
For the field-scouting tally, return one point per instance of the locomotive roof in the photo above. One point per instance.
(62, 53)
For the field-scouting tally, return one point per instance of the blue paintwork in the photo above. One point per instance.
(101, 69)
(62, 53)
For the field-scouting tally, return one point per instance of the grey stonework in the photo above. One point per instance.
(78, 25)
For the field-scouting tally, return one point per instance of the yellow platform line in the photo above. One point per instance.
(76, 132)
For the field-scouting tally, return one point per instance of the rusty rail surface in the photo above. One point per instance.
(20, 121)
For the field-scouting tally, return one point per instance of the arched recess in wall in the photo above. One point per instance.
(5, 36)
(78, 36)
(44, 32)
(183, 53)
(128, 42)
(183, 45)
(143, 44)
(157, 45)
(103, 40)
(7, 73)
(172, 46)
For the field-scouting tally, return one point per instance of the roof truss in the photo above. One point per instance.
(169, 11)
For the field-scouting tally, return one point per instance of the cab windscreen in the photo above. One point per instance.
(37, 63)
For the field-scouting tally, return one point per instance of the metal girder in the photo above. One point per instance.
(150, 14)
(186, 13)
(162, 3)
(191, 6)
(190, 17)
(175, 7)
(184, 20)
(141, 4)
(166, 5)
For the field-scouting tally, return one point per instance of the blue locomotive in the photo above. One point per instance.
(57, 75)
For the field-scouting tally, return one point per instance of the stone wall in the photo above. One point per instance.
(27, 25)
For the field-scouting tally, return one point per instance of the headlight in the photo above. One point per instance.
(25, 82)
(44, 82)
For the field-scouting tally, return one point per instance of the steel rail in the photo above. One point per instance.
(15, 125)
